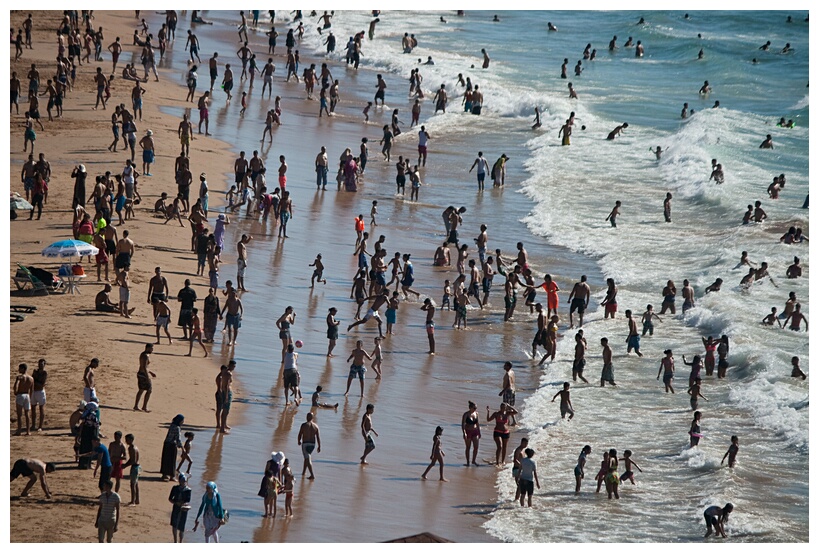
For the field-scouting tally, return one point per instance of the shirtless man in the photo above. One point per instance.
(89, 386)
(308, 439)
(688, 296)
(185, 134)
(795, 270)
(163, 318)
(633, 338)
(34, 470)
(617, 131)
(202, 105)
(579, 300)
(23, 387)
(133, 473)
(667, 368)
(579, 362)
(429, 324)
(508, 391)
(116, 452)
(124, 252)
(224, 396)
(38, 395)
(358, 368)
(379, 93)
(233, 306)
(144, 378)
(267, 78)
(366, 430)
(372, 313)
(795, 317)
(157, 290)
(565, 401)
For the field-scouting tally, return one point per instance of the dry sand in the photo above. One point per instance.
(386, 499)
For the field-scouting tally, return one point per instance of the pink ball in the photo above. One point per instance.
(299, 343)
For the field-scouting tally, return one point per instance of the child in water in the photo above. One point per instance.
(629, 474)
(186, 453)
(732, 452)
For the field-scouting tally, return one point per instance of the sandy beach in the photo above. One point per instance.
(417, 393)
(554, 200)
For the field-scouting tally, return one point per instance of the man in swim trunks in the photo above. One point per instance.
(357, 369)
(23, 386)
(224, 396)
(633, 339)
(144, 376)
(157, 289)
(33, 469)
(308, 439)
(366, 430)
(187, 298)
(508, 391)
(38, 395)
(372, 313)
(163, 318)
(124, 252)
(565, 402)
(233, 323)
(579, 300)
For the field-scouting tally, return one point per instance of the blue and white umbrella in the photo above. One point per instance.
(70, 248)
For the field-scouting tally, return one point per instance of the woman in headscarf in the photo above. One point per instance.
(350, 173)
(89, 429)
(172, 443)
(214, 514)
(181, 498)
(212, 313)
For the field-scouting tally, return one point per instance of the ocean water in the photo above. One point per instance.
(573, 189)
(558, 197)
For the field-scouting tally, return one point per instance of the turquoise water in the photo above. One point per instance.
(565, 194)
(574, 188)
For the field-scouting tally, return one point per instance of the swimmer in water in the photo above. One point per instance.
(617, 131)
(658, 152)
(796, 372)
(537, 118)
(771, 318)
(767, 144)
(705, 88)
(551, 27)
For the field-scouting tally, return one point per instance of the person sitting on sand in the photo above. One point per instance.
(102, 302)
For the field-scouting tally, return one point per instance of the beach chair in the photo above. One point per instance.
(24, 278)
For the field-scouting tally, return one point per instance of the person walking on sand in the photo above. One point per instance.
(309, 439)
(135, 468)
(367, 431)
(108, 513)
(358, 368)
(23, 386)
(437, 455)
(144, 383)
(180, 497)
(214, 513)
